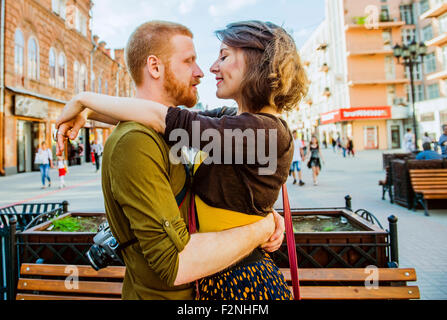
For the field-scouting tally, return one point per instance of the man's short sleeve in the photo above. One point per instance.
(141, 186)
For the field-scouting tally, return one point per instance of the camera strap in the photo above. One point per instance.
(179, 198)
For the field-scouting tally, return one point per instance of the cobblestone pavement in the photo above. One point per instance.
(421, 239)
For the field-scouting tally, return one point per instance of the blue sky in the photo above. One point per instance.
(114, 21)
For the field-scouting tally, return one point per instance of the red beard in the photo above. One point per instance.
(180, 93)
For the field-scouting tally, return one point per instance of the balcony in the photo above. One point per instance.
(435, 11)
(440, 75)
(437, 41)
(370, 52)
(379, 25)
(324, 67)
(322, 46)
(377, 82)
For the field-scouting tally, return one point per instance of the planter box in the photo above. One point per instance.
(338, 249)
(54, 246)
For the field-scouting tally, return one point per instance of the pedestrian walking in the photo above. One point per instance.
(426, 138)
(442, 143)
(298, 155)
(44, 158)
(338, 143)
(350, 147)
(409, 141)
(343, 146)
(315, 158)
(97, 150)
(334, 143)
(63, 170)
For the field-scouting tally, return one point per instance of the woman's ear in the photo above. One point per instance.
(154, 67)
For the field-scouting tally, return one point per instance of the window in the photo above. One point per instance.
(443, 24)
(93, 82)
(417, 72)
(418, 92)
(83, 77)
(384, 14)
(433, 91)
(99, 85)
(19, 44)
(406, 13)
(61, 72)
(33, 59)
(430, 63)
(106, 87)
(424, 5)
(59, 7)
(81, 22)
(444, 57)
(427, 33)
(408, 35)
(52, 67)
(76, 77)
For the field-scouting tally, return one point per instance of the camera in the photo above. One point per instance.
(105, 250)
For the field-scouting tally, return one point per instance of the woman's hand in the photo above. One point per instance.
(277, 237)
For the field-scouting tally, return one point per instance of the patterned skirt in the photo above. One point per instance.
(261, 280)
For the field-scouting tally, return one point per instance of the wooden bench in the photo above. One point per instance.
(48, 282)
(428, 184)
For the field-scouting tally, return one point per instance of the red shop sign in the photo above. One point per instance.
(356, 113)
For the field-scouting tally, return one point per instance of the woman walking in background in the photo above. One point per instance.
(315, 157)
(44, 158)
(350, 147)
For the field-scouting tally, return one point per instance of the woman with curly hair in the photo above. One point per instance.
(258, 67)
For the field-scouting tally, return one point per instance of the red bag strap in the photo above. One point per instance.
(192, 227)
(291, 246)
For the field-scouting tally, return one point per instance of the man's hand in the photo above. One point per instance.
(69, 129)
(277, 238)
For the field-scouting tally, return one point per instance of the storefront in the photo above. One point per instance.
(366, 126)
(31, 130)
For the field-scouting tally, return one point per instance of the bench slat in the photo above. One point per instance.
(428, 170)
(350, 274)
(114, 272)
(91, 287)
(437, 183)
(442, 179)
(359, 293)
(435, 196)
(25, 296)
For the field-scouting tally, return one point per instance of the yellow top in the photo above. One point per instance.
(213, 219)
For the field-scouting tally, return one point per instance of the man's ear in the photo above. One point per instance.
(154, 66)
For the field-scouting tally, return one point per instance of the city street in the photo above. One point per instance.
(421, 239)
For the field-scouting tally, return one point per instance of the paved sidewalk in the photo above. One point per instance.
(82, 191)
(421, 239)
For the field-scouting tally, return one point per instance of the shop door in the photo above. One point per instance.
(25, 154)
(38, 136)
(395, 137)
(370, 137)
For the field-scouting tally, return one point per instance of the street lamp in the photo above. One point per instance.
(412, 55)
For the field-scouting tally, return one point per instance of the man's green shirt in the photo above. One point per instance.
(139, 185)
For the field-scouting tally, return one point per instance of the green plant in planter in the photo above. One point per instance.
(329, 228)
(68, 224)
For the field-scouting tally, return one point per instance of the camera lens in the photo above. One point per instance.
(96, 257)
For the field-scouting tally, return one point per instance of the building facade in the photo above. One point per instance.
(350, 58)
(48, 55)
(432, 110)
